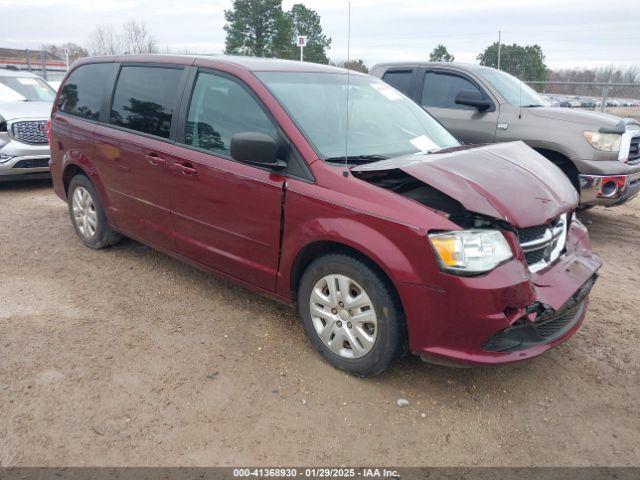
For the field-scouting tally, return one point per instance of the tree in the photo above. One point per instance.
(355, 65)
(441, 54)
(526, 63)
(61, 51)
(304, 21)
(256, 27)
(133, 38)
(105, 41)
(137, 39)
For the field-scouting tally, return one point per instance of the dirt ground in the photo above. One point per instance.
(127, 357)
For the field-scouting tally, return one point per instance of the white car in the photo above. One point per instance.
(25, 108)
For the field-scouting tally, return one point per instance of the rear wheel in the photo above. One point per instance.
(351, 315)
(87, 215)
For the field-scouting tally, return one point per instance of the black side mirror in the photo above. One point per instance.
(472, 98)
(255, 148)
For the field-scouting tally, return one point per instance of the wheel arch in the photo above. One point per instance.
(564, 163)
(315, 250)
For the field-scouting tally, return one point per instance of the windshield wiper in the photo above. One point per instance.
(532, 105)
(356, 159)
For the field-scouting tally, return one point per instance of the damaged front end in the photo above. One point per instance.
(523, 306)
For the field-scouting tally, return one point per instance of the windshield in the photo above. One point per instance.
(31, 89)
(382, 122)
(517, 93)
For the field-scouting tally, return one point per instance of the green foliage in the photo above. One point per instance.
(305, 21)
(255, 27)
(441, 54)
(526, 63)
(356, 65)
(262, 29)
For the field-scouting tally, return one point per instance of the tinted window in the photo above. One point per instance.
(400, 80)
(440, 90)
(145, 99)
(220, 108)
(83, 91)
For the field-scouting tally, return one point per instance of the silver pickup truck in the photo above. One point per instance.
(25, 107)
(600, 153)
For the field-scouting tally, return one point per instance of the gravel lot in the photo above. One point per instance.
(127, 357)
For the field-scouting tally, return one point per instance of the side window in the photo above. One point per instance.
(83, 91)
(399, 79)
(440, 90)
(145, 99)
(221, 107)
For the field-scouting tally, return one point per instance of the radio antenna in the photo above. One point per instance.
(346, 137)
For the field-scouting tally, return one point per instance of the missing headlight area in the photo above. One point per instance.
(404, 184)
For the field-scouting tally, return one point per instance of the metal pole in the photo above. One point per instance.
(301, 55)
(499, 46)
(28, 55)
(605, 91)
(44, 64)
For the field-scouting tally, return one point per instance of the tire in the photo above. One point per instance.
(87, 215)
(351, 347)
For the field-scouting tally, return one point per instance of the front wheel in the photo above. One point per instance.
(350, 315)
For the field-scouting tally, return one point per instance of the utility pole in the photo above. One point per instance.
(499, 46)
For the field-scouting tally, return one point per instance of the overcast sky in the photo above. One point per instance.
(572, 33)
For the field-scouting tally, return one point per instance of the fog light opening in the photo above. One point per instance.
(612, 186)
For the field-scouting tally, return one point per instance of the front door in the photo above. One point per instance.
(226, 214)
(468, 124)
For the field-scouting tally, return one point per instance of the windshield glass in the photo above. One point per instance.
(31, 89)
(517, 93)
(382, 121)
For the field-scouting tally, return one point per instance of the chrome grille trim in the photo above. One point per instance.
(29, 131)
(546, 248)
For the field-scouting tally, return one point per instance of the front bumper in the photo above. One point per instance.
(22, 160)
(593, 189)
(455, 322)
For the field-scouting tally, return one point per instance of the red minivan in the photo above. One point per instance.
(330, 191)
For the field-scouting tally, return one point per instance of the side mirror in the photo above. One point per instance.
(255, 148)
(472, 98)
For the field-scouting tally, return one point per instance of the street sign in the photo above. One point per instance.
(301, 42)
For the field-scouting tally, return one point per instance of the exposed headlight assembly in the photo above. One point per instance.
(470, 252)
(605, 142)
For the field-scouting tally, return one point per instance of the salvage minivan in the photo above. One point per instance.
(330, 191)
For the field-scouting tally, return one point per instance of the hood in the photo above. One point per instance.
(508, 181)
(20, 109)
(582, 117)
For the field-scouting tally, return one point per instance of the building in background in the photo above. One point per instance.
(48, 66)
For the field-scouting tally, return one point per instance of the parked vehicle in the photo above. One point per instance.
(598, 152)
(404, 240)
(25, 105)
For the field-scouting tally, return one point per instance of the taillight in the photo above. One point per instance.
(49, 131)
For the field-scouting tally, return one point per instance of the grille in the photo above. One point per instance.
(32, 163)
(543, 244)
(634, 151)
(549, 326)
(30, 131)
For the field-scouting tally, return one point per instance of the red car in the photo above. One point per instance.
(332, 192)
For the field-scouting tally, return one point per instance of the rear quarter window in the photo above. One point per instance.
(84, 90)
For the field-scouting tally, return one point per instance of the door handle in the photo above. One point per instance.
(186, 169)
(154, 159)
